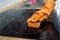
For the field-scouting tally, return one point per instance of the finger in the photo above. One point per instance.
(43, 18)
(45, 11)
(35, 17)
(34, 25)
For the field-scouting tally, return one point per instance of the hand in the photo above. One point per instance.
(36, 19)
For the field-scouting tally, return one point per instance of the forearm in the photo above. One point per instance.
(47, 9)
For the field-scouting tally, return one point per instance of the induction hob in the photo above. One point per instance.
(16, 26)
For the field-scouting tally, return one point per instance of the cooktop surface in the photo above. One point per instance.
(13, 23)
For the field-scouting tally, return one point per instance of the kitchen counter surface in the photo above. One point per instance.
(12, 38)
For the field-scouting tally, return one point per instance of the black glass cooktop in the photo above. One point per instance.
(18, 27)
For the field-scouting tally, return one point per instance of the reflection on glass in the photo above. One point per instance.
(32, 4)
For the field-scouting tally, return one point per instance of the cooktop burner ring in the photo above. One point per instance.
(30, 30)
(23, 32)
